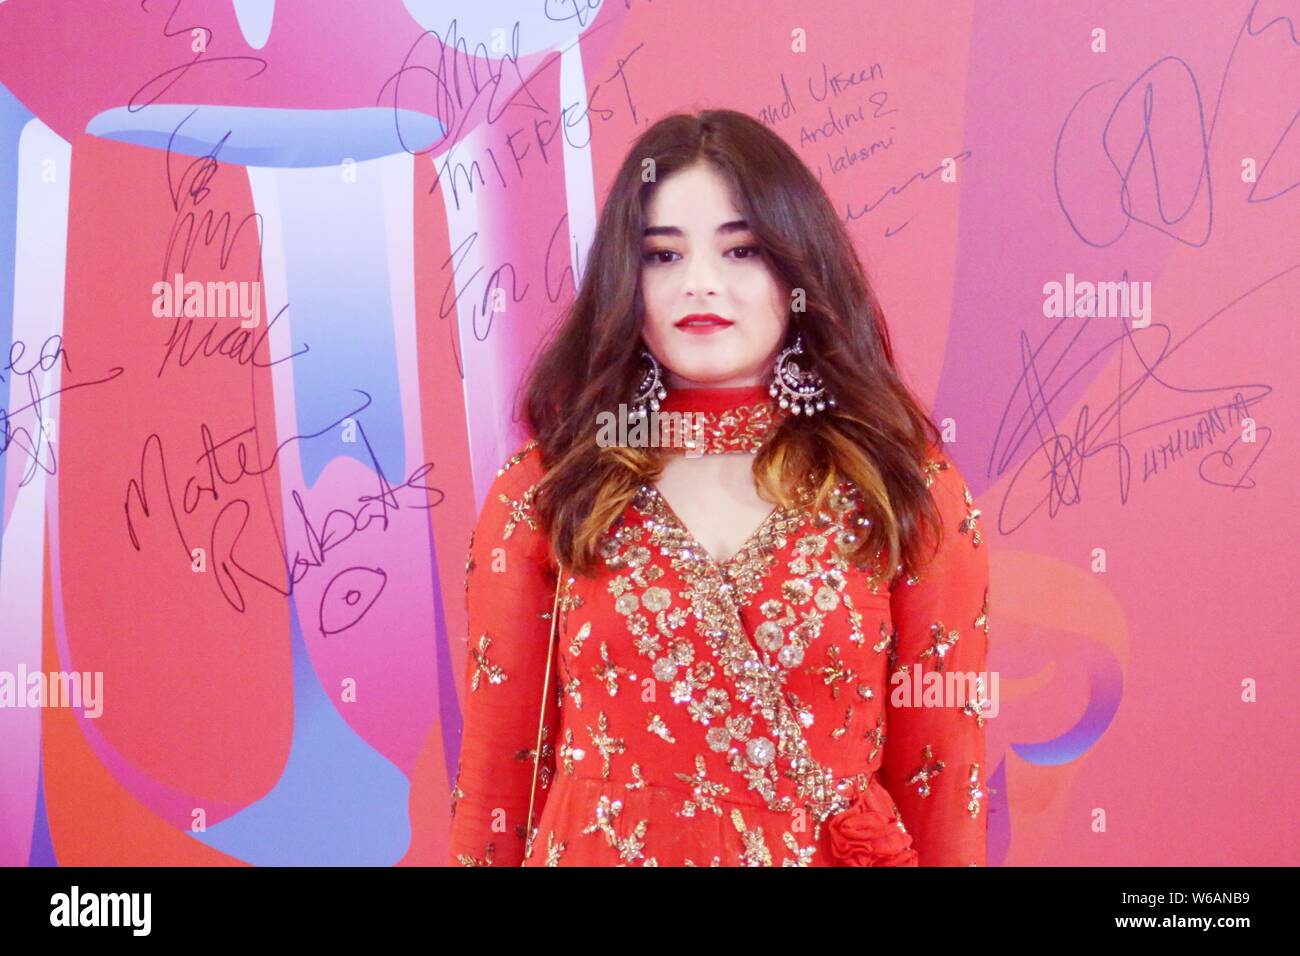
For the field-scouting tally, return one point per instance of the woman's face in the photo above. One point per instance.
(699, 258)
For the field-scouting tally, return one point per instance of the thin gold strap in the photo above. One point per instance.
(546, 684)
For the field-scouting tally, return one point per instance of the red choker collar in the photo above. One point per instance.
(730, 419)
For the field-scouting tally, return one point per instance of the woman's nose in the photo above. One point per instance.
(701, 276)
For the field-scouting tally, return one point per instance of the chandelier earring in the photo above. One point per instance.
(796, 388)
(650, 390)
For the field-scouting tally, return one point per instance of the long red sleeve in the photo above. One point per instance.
(933, 761)
(510, 591)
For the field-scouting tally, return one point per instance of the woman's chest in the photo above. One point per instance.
(772, 659)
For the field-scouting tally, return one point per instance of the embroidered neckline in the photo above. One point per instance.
(732, 419)
(716, 591)
(767, 536)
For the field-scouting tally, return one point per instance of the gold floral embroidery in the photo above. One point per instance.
(520, 510)
(469, 559)
(554, 850)
(546, 765)
(607, 811)
(931, 468)
(930, 768)
(975, 708)
(802, 712)
(660, 729)
(575, 645)
(607, 672)
(456, 792)
(941, 644)
(969, 524)
(756, 852)
(704, 790)
(802, 855)
(888, 637)
(488, 852)
(517, 457)
(982, 622)
(877, 738)
(973, 788)
(630, 847)
(482, 666)
(569, 684)
(606, 744)
(835, 673)
(569, 753)
(638, 782)
(843, 728)
(743, 428)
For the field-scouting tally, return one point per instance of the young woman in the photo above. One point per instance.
(739, 620)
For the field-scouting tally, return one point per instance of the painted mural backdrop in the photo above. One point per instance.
(270, 271)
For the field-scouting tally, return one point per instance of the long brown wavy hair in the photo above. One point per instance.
(877, 433)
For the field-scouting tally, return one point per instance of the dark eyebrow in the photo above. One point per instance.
(736, 225)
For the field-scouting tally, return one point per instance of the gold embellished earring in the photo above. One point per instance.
(650, 390)
(800, 390)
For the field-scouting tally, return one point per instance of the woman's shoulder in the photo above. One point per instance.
(940, 472)
(951, 494)
(524, 464)
(517, 479)
(509, 512)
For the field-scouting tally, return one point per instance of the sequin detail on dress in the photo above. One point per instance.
(719, 713)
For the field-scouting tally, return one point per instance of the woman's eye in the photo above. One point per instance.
(658, 256)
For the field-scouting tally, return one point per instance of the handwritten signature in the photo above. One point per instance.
(39, 448)
(349, 593)
(176, 73)
(1060, 456)
(192, 229)
(1061, 453)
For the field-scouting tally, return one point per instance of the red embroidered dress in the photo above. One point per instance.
(732, 713)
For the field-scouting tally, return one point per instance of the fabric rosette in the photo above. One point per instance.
(868, 832)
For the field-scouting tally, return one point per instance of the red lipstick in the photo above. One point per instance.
(702, 323)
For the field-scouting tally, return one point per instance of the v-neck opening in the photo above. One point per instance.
(755, 536)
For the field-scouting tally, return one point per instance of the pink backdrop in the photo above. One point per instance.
(257, 536)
